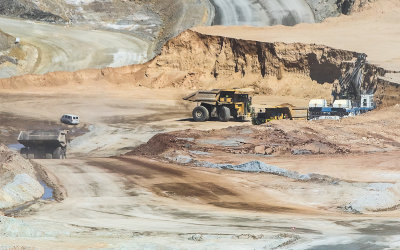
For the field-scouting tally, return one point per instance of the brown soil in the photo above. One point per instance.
(375, 131)
(186, 184)
(158, 144)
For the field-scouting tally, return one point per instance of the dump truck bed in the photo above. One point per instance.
(202, 96)
(212, 95)
(43, 137)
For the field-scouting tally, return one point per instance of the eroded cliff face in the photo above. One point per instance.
(193, 60)
(305, 70)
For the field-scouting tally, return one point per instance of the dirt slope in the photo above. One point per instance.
(194, 60)
(17, 180)
(375, 131)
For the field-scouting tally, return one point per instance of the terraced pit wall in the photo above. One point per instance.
(193, 60)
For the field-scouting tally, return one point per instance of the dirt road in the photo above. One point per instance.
(116, 119)
(63, 48)
(136, 202)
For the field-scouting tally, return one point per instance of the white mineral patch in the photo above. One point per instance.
(378, 197)
(21, 190)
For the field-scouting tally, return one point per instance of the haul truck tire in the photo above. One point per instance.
(24, 152)
(200, 114)
(224, 114)
(64, 153)
(31, 155)
(58, 153)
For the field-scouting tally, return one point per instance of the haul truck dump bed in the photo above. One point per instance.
(44, 144)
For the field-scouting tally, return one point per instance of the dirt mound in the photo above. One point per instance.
(375, 131)
(17, 180)
(159, 144)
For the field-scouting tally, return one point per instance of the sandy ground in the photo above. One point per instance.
(163, 201)
(117, 119)
(137, 202)
(73, 48)
(373, 31)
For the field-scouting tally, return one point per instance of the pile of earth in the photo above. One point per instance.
(371, 132)
(18, 182)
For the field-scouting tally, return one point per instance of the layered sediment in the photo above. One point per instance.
(193, 60)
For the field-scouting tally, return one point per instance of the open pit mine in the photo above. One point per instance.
(201, 124)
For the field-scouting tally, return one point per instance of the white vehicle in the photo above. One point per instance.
(70, 119)
(367, 101)
(343, 103)
(317, 103)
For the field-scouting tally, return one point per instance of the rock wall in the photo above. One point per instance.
(331, 8)
(27, 9)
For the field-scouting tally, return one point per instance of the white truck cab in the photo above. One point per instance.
(344, 103)
(367, 101)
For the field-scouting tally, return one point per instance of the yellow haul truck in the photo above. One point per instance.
(221, 103)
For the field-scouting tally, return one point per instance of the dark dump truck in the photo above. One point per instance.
(222, 104)
(44, 144)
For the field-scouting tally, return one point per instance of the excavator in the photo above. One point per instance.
(350, 100)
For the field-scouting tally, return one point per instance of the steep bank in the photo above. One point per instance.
(193, 60)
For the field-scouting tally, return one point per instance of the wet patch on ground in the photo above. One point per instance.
(48, 191)
(364, 245)
(385, 228)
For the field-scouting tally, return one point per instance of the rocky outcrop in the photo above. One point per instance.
(349, 6)
(27, 9)
(331, 8)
